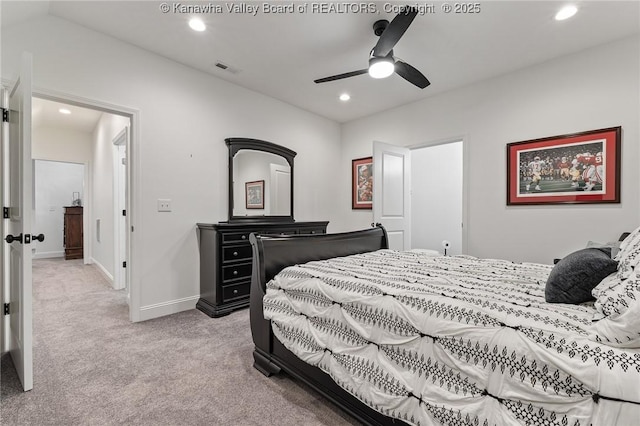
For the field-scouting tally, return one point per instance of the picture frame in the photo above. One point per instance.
(576, 168)
(254, 194)
(362, 183)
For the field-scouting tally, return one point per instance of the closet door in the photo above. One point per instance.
(392, 193)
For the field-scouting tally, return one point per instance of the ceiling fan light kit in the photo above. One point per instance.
(381, 67)
(381, 60)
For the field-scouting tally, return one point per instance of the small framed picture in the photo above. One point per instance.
(575, 168)
(362, 183)
(255, 194)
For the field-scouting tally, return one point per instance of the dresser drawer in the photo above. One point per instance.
(280, 232)
(232, 253)
(311, 231)
(234, 291)
(235, 237)
(234, 272)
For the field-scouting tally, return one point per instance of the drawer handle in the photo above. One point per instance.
(235, 291)
(235, 272)
(244, 237)
(235, 253)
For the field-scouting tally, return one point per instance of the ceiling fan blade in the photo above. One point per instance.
(411, 74)
(341, 76)
(394, 31)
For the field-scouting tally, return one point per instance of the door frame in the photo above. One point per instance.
(465, 180)
(132, 184)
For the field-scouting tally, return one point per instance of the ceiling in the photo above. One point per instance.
(46, 113)
(280, 54)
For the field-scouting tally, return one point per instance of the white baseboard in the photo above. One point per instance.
(48, 254)
(103, 270)
(167, 308)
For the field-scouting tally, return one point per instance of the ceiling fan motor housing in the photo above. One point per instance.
(380, 26)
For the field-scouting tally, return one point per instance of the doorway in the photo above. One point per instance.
(57, 185)
(98, 137)
(437, 197)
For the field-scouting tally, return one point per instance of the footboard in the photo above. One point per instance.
(271, 254)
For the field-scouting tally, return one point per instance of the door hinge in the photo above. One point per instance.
(124, 212)
(6, 309)
(5, 115)
(124, 264)
(5, 212)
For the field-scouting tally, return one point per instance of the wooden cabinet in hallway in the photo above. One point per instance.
(73, 248)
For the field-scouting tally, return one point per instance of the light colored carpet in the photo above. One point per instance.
(93, 367)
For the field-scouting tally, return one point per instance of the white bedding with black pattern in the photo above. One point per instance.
(453, 340)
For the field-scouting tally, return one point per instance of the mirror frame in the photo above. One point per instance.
(237, 144)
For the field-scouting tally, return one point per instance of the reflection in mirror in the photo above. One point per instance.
(251, 198)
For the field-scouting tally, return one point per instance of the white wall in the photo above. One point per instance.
(102, 191)
(593, 89)
(55, 183)
(52, 143)
(184, 117)
(436, 198)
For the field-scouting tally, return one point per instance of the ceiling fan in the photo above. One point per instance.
(381, 60)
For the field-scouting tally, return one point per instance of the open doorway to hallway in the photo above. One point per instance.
(66, 134)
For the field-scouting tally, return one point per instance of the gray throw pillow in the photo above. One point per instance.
(574, 276)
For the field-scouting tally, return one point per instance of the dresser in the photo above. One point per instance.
(73, 247)
(226, 261)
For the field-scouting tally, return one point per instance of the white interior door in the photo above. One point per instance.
(392, 193)
(120, 143)
(280, 187)
(18, 238)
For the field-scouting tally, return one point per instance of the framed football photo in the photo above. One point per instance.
(576, 168)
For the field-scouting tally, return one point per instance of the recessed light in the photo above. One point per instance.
(345, 97)
(566, 12)
(196, 24)
(64, 111)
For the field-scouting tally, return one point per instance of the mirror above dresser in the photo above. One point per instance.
(261, 177)
(260, 181)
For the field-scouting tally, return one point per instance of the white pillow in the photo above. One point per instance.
(614, 246)
(619, 301)
(635, 234)
(629, 256)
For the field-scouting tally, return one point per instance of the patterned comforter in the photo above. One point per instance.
(453, 341)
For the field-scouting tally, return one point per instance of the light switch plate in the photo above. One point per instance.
(164, 205)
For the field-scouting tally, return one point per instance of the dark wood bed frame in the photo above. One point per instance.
(270, 255)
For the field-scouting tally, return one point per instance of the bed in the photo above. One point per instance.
(417, 338)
